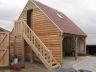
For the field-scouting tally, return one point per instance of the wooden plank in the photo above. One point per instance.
(4, 49)
(46, 28)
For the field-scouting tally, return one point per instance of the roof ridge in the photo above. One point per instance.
(3, 29)
(65, 24)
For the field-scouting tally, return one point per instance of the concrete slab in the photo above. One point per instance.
(89, 63)
(68, 62)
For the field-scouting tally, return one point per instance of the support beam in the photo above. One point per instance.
(76, 53)
(85, 46)
(62, 38)
(22, 50)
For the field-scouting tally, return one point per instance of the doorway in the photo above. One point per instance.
(68, 45)
(28, 53)
(91, 49)
(29, 18)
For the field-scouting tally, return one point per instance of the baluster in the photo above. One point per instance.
(36, 45)
(40, 50)
(30, 35)
(17, 27)
(47, 56)
(14, 27)
(50, 58)
(33, 39)
(44, 52)
(20, 26)
(26, 30)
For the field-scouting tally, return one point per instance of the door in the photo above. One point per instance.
(29, 18)
(4, 49)
(67, 46)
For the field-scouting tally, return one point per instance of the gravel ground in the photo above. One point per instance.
(86, 64)
(69, 70)
(89, 63)
(35, 67)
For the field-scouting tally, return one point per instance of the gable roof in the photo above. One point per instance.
(3, 30)
(60, 20)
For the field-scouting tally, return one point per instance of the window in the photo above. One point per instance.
(29, 18)
(59, 15)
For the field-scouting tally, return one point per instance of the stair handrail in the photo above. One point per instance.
(36, 37)
(22, 29)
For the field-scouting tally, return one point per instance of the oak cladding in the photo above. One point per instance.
(47, 32)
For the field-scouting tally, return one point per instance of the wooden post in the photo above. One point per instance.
(22, 50)
(51, 58)
(32, 56)
(22, 30)
(85, 46)
(62, 37)
(76, 53)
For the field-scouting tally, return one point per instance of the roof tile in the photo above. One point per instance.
(62, 21)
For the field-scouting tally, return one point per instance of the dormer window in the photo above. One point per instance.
(59, 15)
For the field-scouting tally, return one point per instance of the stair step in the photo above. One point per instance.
(56, 66)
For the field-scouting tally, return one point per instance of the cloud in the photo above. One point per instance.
(82, 12)
(6, 24)
(9, 12)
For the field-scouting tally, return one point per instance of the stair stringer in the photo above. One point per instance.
(43, 53)
(35, 50)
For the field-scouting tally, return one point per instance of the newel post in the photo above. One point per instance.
(15, 28)
(21, 26)
(21, 31)
(51, 57)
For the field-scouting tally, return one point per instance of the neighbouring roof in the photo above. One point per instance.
(59, 19)
(3, 30)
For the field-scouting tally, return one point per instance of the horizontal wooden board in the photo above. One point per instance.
(47, 32)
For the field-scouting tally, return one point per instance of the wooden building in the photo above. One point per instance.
(4, 47)
(52, 33)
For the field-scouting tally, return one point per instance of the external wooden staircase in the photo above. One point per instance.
(38, 47)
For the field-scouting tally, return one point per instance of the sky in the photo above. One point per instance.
(81, 12)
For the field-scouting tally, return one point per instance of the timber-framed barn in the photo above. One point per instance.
(44, 34)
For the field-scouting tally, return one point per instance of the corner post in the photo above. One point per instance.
(62, 38)
(85, 52)
(76, 52)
